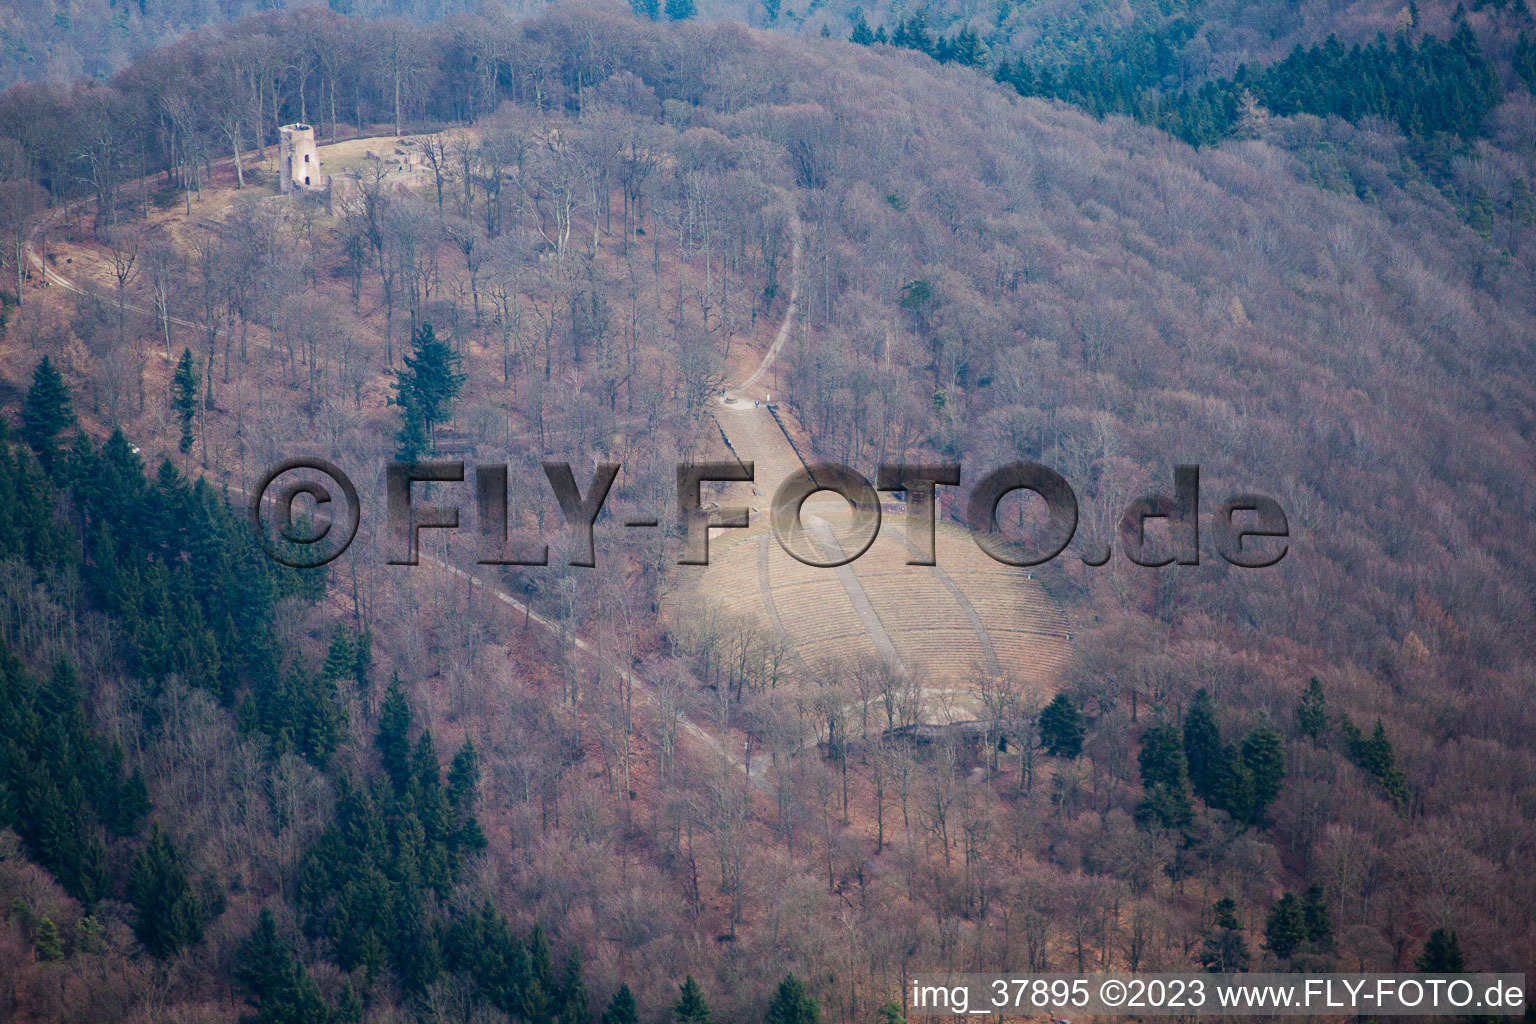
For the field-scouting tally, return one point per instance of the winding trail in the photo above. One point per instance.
(790, 310)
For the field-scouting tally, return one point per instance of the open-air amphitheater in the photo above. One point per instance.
(942, 627)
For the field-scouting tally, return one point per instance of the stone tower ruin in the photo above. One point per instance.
(298, 162)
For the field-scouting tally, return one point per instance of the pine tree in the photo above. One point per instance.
(1312, 713)
(1061, 728)
(168, 914)
(132, 804)
(1202, 744)
(46, 413)
(47, 944)
(464, 778)
(691, 1007)
(575, 1002)
(427, 387)
(1442, 954)
(362, 661)
(861, 33)
(278, 982)
(262, 958)
(541, 965)
(1224, 950)
(1375, 757)
(1286, 928)
(393, 738)
(1264, 755)
(1164, 777)
(646, 8)
(792, 1004)
(341, 658)
(622, 1008)
(184, 398)
(1232, 785)
(412, 440)
(680, 10)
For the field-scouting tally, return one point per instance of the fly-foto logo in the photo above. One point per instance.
(1249, 530)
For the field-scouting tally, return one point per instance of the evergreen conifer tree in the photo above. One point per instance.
(1202, 744)
(575, 1003)
(184, 398)
(1442, 954)
(426, 388)
(1286, 928)
(47, 412)
(792, 1004)
(1264, 756)
(47, 944)
(1061, 728)
(621, 1008)
(691, 1007)
(168, 914)
(393, 738)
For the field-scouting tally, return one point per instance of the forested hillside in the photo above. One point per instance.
(462, 792)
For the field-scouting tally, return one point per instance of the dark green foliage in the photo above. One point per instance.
(912, 33)
(47, 412)
(861, 33)
(1375, 757)
(1224, 950)
(621, 1008)
(1297, 923)
(680, 10)
(1286, 928)
(393, 851)
(1319, 920)
(1312, 712)
(362, 661)
(481, 946)
(1202, 744)
(1525, 61)
(1243, 780)
(1264, 757)
(792, 1004)
(691, 1007)
(393, 738)
(60, 786)
(184, 397)
(541, 964)
(1434, 88)
(412, 440)
(1431, 90)
(303, 714)
(1442, 954)
(168, 914)
(425, 390)
(1232, 785)
(341, 657)
(646, 8)
(28, 526)
(575, 1002)
(180, 569)
(1165, 779)
(276, 982)
(964, 47)
(1061, 728)
(464, 776)
(47, 944)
